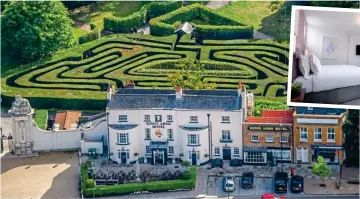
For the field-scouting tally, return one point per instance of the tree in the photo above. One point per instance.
(321, 169)
(186, 164)
(351, 132)
(34, 29)
(190, 75)
(340, 4)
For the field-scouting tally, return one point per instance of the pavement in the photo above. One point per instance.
(312, 187)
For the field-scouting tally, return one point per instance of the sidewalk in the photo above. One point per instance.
(312, 186)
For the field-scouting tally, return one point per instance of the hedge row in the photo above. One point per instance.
(221, 28)
(156, 186)
(137, 19)
(91, 36)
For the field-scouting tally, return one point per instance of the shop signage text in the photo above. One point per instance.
(267, 128)
(158, 125)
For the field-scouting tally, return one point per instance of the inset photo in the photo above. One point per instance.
(324, 65)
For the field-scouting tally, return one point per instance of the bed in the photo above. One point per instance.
(336, 84)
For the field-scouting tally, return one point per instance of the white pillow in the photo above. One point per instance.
(304, 66)
(315, 64)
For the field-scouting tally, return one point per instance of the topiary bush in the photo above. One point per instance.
(91, 36)
(90, 183)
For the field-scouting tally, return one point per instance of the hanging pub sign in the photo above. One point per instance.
(268, 128)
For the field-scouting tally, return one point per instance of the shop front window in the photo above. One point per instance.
(255, 157)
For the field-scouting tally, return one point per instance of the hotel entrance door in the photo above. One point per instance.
(158, 157)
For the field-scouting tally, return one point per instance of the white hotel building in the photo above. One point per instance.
(163, 126)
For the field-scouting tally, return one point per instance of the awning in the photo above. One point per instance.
(193, 127)
(122, 126)
(158, 145)
(254, 149)
(325, 147)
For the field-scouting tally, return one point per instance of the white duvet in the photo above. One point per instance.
(331, 77)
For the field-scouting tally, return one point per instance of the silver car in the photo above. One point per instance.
(229, 183)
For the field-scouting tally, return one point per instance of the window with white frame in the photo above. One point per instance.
(193, 139)
(123, 138)
(254, 138)
(148, 150)
(193, 118)
(122, 118)
(236, 151)
(331, 135)
(286, 154)
(147, 134)
(255, 157)
(225, 119)
(169, 118)
(217, 151)
(170, 134)
(171, 150)
(284, 139)
(147, 117)
(317, 134)
(226, 135)
(269, 139)
(303, 134)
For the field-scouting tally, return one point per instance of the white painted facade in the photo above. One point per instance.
(137, 141)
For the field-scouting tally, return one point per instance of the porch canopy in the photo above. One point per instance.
(158, 145)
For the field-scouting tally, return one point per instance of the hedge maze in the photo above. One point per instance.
(261, 65)
(77, 78)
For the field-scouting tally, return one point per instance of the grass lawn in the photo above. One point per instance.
(259, 15)
(78, 32)
(95, 13)
(41, 117)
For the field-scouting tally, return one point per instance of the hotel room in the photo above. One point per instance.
(326, 56)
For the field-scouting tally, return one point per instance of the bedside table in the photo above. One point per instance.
(299, 98)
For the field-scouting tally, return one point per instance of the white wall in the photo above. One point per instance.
(314, 43)
(85, 146)
(97, 132)
(353, 59)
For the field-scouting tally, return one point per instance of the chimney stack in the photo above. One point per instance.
(129, 84)
(178, 92)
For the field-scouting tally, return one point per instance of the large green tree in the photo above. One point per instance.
(190, 75)
(321, 169)
(34, 29)
(351, 132)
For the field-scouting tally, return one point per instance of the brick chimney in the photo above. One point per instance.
(129, 84)
(178, 92)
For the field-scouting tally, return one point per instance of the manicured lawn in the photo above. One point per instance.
(78, 32)
(259, 14)
(41, 117)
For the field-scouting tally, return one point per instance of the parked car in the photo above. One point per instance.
(297, 184)
(217, 163)
(281, 182)
(235, 162)
(229, 184)
(247, 180)
(271, 196)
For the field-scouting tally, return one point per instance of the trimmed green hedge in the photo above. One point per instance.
(41, 117)
(153, 9)
(221, 27)
(155, 186)
(91, 36)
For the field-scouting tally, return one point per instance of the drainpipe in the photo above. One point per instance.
(209, 137)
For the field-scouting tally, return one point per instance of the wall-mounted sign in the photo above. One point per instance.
(158, 125)
(268, 128)
(158, 133)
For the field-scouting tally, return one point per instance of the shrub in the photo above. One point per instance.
(41, 117)
(91, 36)
(92, 26)
(90, 183)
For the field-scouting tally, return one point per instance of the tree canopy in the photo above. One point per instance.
(34, 29)
(190, 75)
(320, 168)
(351, 144)
(340, 4)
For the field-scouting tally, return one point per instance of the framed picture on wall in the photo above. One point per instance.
(330, 48)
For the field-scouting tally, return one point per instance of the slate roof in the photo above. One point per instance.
(166, 99)
(319, 111)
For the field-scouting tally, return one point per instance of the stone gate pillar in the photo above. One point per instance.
(22, 127)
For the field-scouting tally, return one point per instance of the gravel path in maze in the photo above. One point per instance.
(148, 60)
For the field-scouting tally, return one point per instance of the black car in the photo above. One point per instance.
(247, 180)
(297, 184)
(217, 163)
(281, 181)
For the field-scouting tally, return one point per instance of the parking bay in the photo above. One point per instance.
(262, 185)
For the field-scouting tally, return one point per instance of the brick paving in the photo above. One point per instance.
(313, 187)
